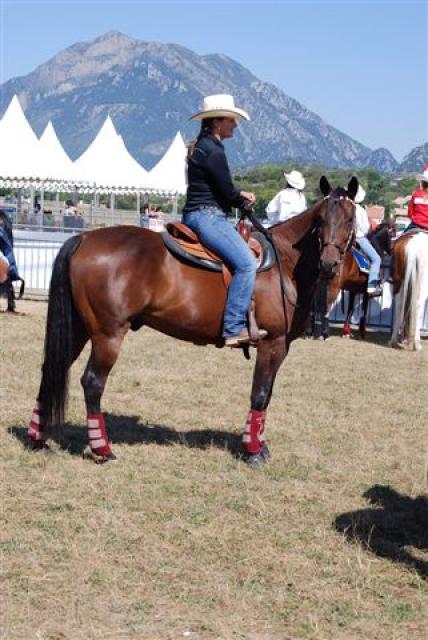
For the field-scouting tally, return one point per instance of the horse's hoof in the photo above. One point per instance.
(255, 459)
(265, 452)
(40, 447)
(102, 459)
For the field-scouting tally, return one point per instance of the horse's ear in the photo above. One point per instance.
(352, 187)
(325, 186)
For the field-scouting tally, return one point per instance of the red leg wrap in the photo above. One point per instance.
(253, 438)
(36, 426)
(97, 432)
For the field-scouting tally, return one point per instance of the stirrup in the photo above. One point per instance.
(244, 338)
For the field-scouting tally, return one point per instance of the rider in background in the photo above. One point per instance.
(418, 204)
(210, 196)
(362, 228)
(290, 201)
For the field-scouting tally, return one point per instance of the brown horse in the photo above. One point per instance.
(108, 281)
(410, 260)
(349, 278)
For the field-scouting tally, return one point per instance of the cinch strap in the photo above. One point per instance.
(253, 437)
(97, 433)
(37, 423)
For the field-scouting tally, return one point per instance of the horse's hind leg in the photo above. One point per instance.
(105, 351)
(270, 355)
(37, 432)
(11, 304)
(396, 340)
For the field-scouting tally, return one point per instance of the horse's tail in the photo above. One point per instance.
(58, 338)
(409, 293)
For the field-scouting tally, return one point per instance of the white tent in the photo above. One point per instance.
(19, 158)
(170, 171)
(105, 167)
(108, 165)
(58, 166)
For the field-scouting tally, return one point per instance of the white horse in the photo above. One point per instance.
(410, 299)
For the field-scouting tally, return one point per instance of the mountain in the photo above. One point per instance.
(382, 160)
(415, 160)
(151, 89)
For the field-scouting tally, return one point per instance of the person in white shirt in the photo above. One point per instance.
(290, 201)
(362, 227)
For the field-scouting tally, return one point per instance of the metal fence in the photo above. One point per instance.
(35, 253)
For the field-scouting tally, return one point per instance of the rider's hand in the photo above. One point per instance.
(249, 197)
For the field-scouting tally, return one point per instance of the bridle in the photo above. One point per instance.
(330, 243)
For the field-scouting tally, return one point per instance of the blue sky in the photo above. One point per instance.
(361, 65)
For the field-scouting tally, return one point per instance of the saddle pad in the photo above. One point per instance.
(179, 251)
(361, 260)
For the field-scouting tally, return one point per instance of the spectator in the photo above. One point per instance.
(290, 201)
(144, 216)
(79, 222)
(35, 215)
(69, 215)
(152, 211)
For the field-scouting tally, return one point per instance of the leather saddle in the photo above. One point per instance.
(184, 244)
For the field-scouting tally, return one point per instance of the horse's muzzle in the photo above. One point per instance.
(328, 269)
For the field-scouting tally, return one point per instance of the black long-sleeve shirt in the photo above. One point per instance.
(209, 179)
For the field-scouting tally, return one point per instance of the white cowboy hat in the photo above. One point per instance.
(295, 179)
(220, 106)
(360, 195)
(423, 177)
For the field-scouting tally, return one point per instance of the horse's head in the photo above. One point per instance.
(382, 237)
(337, 218)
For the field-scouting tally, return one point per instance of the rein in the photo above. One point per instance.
(286, 296)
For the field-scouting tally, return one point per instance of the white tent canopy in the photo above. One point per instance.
(107, 162)
(105, 167)
(20, 157)
(58, 165)
(170, 171)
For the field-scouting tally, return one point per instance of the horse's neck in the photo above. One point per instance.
(381, 238)
(291, 236)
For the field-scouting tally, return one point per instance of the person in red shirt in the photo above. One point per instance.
(418, 204)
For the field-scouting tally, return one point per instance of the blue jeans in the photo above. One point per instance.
(218, 235)
(374, 258)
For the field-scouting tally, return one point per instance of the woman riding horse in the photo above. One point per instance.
(107, 281)
(210, 196)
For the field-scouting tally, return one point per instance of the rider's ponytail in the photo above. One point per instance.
(207, 129)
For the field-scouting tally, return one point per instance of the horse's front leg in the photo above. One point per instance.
(363, 317)
(270, 355)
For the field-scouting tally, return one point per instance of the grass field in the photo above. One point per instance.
(180, 539)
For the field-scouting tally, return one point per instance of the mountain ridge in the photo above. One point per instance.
(150, 89)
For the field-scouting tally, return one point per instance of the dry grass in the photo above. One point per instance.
(182, 540)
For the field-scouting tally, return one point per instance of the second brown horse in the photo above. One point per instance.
(108, 281)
